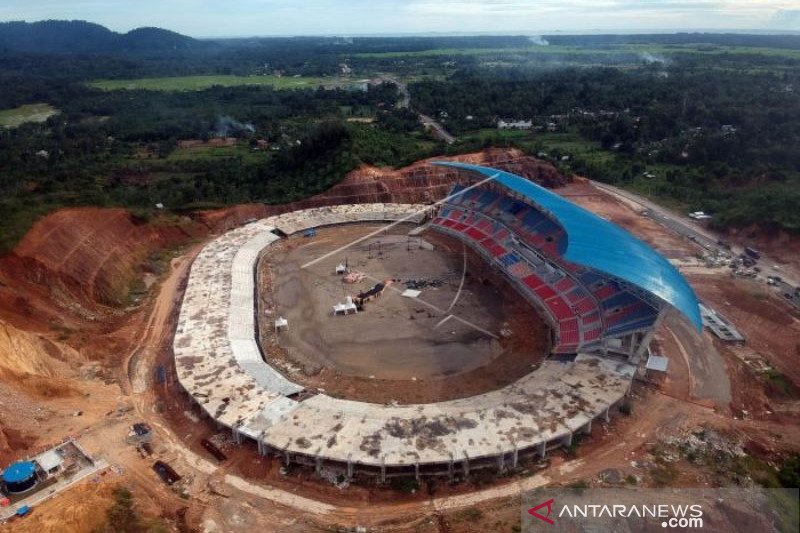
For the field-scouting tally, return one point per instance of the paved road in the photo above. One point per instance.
(669, 220)
(704, 237)
(437, 129)
(428, 122)
(405, 101)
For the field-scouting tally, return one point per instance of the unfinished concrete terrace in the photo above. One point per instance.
(219, 364)
(545, 407)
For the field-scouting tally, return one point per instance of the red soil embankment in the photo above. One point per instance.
(420, 182)
(77, 264)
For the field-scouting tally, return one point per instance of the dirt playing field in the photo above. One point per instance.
(467, 332)
(393, 336)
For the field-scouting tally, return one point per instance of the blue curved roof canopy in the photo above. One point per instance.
(19, 472)
(597, 243)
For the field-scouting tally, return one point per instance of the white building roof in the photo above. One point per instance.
(49, 460)
(657, 362)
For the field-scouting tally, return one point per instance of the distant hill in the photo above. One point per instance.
(81, 37)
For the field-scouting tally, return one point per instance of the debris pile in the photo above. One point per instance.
(354, 276)
(419, 284)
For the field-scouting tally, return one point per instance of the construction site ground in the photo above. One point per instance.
(468, 331)
(95, 391)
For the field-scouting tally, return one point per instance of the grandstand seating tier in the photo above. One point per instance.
(586, 305)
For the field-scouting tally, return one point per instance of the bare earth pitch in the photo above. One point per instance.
(466, 333)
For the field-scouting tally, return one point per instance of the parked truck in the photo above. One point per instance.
(755, 254)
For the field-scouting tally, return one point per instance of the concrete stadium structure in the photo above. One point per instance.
(219, 363)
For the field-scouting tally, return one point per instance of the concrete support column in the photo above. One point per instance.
(287, 460)
(349, 468)
(645, 343)
(263, 448)
(501, 462)
(607, 415)
(543, 450)
(318, 464)
(416, 471)
(568, 439)
(466, 465)
(588, 427)
(515, 458)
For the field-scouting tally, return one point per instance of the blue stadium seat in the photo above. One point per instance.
(590, 277)
(509, 259)
(619, 300)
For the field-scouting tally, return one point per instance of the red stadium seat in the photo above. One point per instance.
(533, 281)
(475, 235)
(568, 325)
(559, 308)
(564, 285)
(497, 250)
(587, 305)
(569, 337)
(484, 225)
(544, 292)
(605, 291)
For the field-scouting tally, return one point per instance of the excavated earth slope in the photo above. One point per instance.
(420, 182)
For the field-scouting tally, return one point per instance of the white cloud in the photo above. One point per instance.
(264, 17)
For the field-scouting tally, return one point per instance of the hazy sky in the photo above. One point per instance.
(347, 17)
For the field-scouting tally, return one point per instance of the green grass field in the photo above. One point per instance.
(714, 50)
(567, 143)
(240, 150)
(11, 118)
(198, 83)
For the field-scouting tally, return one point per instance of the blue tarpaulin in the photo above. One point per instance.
(19, 472)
